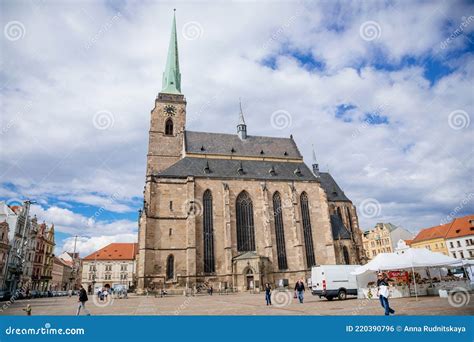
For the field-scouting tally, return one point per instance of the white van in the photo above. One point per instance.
(332, 281)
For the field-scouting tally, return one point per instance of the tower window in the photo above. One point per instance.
(169, 127)
(170, 267)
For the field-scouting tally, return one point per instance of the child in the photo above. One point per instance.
(28, 310)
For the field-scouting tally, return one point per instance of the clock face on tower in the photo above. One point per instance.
(169, 110)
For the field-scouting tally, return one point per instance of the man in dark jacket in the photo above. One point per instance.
(268, 294)
(82, 301)
(299, 289)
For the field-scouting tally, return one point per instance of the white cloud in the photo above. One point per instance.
(63, 71)
(87, 245)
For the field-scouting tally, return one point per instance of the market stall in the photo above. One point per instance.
(415, 272)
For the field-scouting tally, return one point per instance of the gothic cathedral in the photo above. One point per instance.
(234, 211)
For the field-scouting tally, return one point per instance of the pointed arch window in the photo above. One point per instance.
(169, 127)
(170, 267)
(339, 212)
(279, 232)
(307, 231)
(345, 253)
(349, 218)
(245, 227)
(208, 231)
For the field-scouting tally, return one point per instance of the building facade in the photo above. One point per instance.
(61, 279)
(4, 251)
(233, 210)
(383, 238)
(75, 262)
(43, 258)
(432, 238)
(19, 268)
(112, 266)
(460, 238)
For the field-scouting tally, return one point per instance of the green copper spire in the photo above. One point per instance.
(172, 76)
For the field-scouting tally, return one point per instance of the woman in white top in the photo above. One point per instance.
(383, 292)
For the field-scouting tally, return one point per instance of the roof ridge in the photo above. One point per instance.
(249, 135)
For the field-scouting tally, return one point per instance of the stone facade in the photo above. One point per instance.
(178, 231)
(349, 250)
(174, 238)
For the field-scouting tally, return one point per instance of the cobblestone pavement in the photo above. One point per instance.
(239, 304)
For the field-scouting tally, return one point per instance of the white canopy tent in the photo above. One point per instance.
(409, 259)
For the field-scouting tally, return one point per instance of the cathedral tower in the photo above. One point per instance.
(168, 118)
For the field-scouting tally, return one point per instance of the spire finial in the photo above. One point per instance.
(315, 163)
(171, 75)
(241, 126)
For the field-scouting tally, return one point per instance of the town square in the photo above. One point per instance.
(267, 159)
(236, 304)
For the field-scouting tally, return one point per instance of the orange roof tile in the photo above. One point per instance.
(432, 233)
(461, 226)
(115, 251)
(409, 242)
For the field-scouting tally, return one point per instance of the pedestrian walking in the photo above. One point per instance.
(383, 293)
(82, 302)
(299, 290)
(268, 294)
(106, 294)
(28, 310)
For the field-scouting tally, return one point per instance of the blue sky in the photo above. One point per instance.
(383, 90)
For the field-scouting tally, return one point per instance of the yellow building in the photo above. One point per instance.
(433, 239)
(383, 238)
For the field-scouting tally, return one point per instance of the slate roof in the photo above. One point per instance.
(339, 230)
(333, 191)
(390, 226)
(252, 146)
(246, 255)
(229, 168)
